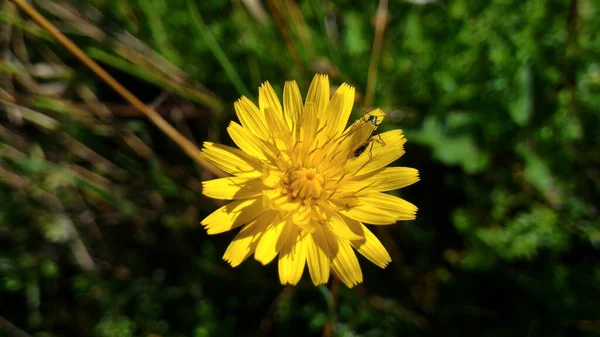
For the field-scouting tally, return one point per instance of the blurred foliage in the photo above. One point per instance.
(500, 101)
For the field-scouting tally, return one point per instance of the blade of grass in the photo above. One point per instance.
(331, 49)
(256, 9)
(153, 11)
(220, 55)
(24, 25)
(280, 21)
(190, 148)
(298, 23)
(99, 162)
(70, 14)
(6, 81)
(32, 116)
(168, 85)
(135, 51)
(20, 183)
(380, 23)
(10, 68)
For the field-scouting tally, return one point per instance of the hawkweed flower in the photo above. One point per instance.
(303, 185)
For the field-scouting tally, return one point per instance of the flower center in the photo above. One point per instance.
(305, 183)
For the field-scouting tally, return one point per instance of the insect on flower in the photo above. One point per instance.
(361, 148)
(300, 189)
(375, 122)
(364, 146)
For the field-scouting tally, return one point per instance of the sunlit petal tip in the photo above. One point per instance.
(319, 92)
(345, 264)
(319, 257)
(231, 261)
(409, 214)
(292, 258)
(379, 113)
(267, 98)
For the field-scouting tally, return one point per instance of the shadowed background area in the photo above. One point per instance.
(100, 212)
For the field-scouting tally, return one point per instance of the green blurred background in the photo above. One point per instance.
(99, 211)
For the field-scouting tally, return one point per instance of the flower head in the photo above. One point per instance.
(303, 184)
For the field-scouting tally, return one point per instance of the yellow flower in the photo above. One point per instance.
(303, 184)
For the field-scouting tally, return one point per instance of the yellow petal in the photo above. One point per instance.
(231, 160)
(319, 256)
(354, 187)
(267, 98)
(292, 257)
(308, 128)
(232, 188)
(384, 151)
(279, 129)
(399, 208)
(390, 178)
(371, 248)
(248, 142)
(367, 213)
(338, 107)
(251, 117)
(318, 94)
(355, 226)
(274, 199)
(272, 241)
(345, 265)
(244, 244)
(292, 105)
(338, 110)
(301, 217)
(340, 228)
(232, 215)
